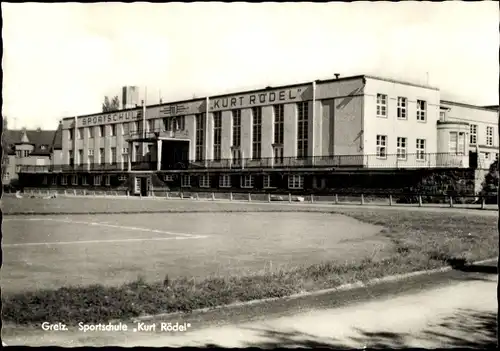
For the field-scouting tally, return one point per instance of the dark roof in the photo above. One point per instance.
(57, 141)
(38, 138)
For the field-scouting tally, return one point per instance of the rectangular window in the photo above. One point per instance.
(136, 155)
(113, 156)
(256, 133)
(19, 154)
(91, 132)
(381, 146)
(278, 155)
(295, 181)
(186, 181)
(421, 110)
(91, 152)
(225, 181)
(97, 180)
(401, 148)
(217, 135)
(80, 133)
(112, 130)
(247, 181)
(101, 156)
(90, 156)
(84, 180)
(45, 180)
(179, 123)
(26, 153)
(402, 105)
(489, 136)
(453, 142)
(101, 131)
(473, 134)
(381, 105)
(107, 180)
(70, 134)
(236, 128)
(167, 124)
(461, 143)
(71, 158)
(80, 157)
(150, 125)
(420, 147)
(125, 128)
(279, 122)
(122, 178)
(205, 181)
(302, 129)
(169, 177)
(236, 156)
(200, 137)
(125, 151)
(64, 180)
(266, 181)
(74, 180)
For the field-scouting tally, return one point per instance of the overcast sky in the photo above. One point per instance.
(61, 59)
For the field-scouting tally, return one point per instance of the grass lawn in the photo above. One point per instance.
(422, 240)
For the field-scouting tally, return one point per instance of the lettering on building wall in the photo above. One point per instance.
(272, 97)
(116, 117)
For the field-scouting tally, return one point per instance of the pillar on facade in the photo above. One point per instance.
(131, 154)
(158, 154)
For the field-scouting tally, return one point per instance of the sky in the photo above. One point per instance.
(60, 60)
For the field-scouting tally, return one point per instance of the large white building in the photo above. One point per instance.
(303, 132)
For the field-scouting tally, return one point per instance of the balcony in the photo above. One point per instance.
(390, 161)
(157, 133)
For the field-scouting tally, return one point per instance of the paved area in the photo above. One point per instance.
(455, 309)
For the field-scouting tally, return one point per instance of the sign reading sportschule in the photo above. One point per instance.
(112, 117)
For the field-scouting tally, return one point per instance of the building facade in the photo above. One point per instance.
(30, 151)
(293, 137)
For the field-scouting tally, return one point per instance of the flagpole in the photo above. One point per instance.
(206, 130)
(144, 113)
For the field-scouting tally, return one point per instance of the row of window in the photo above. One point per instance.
(73, 180)
(401, 147)
(169, 124)
(246, 181)
(256, 114)
(474, 132)
(402, 108)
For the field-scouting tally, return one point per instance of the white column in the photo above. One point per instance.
(131, 155)
(158, 154)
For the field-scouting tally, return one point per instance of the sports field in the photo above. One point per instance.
(52, 251)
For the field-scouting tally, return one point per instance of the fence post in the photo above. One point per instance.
(213, 196)
(197, 196)
(419, 200)
(84, 192)
(168, 195)
(74, 192)
(230, 196)
(249, 197)
(390, 200)
(182, 195)
(268, 197)
(362, 199)
(483, 202)
(312, 198)
(451, 201)
(289, 198)
(127, 193)
(336, 199)
(65, 192)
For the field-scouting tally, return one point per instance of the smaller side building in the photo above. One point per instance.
(34, 148)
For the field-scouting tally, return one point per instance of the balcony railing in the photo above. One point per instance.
(158, 132)
(410, 161)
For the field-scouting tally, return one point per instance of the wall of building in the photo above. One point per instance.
(481, 118)
(393, 127)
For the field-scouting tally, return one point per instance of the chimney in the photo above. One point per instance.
(337, 75)
(161, 100)
(39, 129)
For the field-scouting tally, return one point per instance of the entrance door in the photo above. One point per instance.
(137, 185)
(145, 185)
